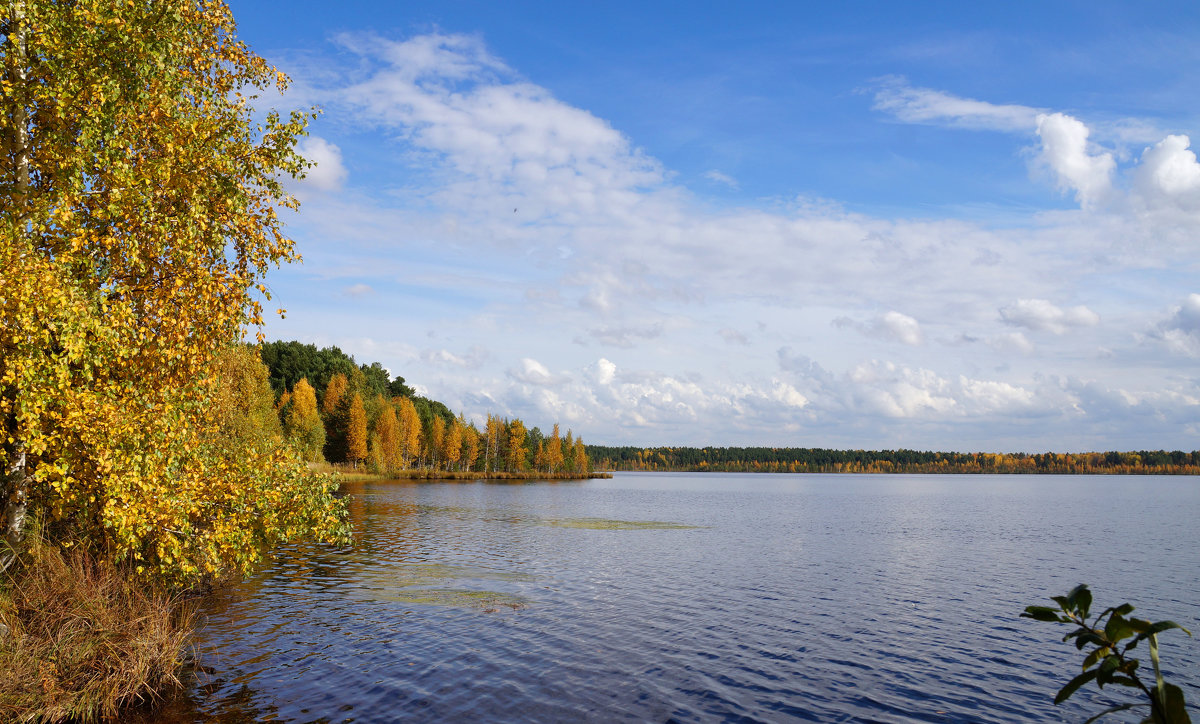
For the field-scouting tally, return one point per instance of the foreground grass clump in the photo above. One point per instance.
(82, 638)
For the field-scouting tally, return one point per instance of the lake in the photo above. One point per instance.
(702, 597)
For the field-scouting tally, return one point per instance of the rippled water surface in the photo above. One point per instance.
(680, 597)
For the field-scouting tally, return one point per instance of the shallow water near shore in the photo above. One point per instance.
(700, 597)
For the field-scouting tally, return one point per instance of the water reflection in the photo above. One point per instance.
(691, 598)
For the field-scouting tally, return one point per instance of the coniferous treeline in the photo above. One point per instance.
(333, 409)
(819, 460)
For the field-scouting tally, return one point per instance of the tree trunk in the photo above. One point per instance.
(16, 476)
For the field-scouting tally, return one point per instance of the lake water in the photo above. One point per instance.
(721, 597)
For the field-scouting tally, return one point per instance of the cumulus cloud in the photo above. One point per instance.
(1066, 152)
(1169, 174)
(606, 371)
(532, 372)
(904, 392)
(1042, 316)
(480, 141)
(925, 105)
(891, 325)
(1181, 331)
(329, 173)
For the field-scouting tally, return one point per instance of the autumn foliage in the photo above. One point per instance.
(403, 432)
(137, 219)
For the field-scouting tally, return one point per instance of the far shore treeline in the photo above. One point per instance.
(334, 410)
(819, 460)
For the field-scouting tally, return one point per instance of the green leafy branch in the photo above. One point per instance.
(1108, 661)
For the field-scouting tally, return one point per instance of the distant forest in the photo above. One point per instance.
(819, 460)
(335, 410)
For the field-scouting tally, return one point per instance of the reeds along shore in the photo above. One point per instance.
(363, 474)
(81, 637)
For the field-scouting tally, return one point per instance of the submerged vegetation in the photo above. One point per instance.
(606, 524)
(485, 601)
(819, 460)
(139, 198)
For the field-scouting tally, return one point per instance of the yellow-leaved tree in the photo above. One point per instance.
(554, 451)
(138, 200)
(410, 431)
(385, 442)
(356, 431)
(516, 446)
(302, 423)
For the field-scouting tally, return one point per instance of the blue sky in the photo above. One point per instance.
(854, 225)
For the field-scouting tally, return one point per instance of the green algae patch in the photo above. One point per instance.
(485, 601)
(607, 524)
(417, 574)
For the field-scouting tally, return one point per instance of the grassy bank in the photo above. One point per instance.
(81, 638)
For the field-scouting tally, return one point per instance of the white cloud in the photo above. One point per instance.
(1011, 341)
(721, 178)
(329, 173)
(925, 105)
(499, 134)
(1066, 152)
(733, 336)
(532, 372)
(1042, 316)
(654, 271)
(358, 290)
(474, 358)
(1181, 331)
(892, 326)
(1169, 173)
(605, 371)
(624, 337)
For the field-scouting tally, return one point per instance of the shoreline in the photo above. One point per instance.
(465, 475)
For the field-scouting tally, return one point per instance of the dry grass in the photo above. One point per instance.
(84, 638)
